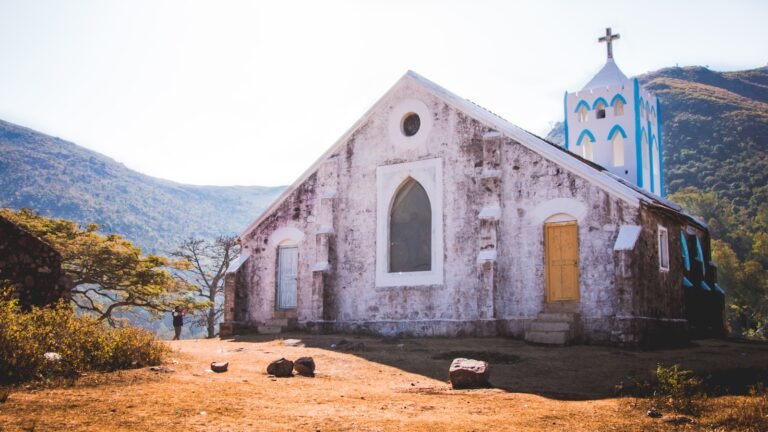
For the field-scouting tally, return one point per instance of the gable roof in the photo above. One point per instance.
(596, 174)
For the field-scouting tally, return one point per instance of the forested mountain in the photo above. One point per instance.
(58, 178)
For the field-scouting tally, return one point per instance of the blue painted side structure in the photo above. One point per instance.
(565, 116)
(686, 255)
(650, 154)
(638, 135)
(661, 152)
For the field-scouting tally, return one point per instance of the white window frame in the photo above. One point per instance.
(663, 246)
(389, 178)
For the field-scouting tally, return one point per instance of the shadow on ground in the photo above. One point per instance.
(578, 372)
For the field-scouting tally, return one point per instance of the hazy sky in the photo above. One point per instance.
(250, 92)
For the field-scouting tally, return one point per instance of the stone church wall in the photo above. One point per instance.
(31, 267)
(497, 196)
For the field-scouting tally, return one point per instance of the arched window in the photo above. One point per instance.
(586, 144)
(616, 137)
(646, 162)
(410, 229)
(583, 114)
(618, 149)
(618, 108)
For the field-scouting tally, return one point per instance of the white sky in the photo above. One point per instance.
(250, 92)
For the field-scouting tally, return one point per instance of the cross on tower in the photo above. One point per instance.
(608, 38)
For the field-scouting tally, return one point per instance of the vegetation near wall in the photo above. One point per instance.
(51, 343)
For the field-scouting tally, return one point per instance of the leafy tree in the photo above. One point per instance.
(209, 262)
(109, 273)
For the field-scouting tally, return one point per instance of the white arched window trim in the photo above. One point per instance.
(389, 178)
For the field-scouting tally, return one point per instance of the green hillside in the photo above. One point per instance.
(58, 178)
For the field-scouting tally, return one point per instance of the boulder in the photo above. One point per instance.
(219, 366)
(468, 373)
(280, 368)
(304, 366)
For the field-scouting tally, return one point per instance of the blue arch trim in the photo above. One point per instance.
(614, 130)
(705, 286)
(584, 133)
(719, 289)
(600, 99)
(661, 153)
(565, 118)
(618, 97)
(638, 136)
(687, 283)
(578, 105)
(686, 255)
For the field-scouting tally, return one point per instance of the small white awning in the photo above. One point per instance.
(628, 235)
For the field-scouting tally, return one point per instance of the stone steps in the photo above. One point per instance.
(553, 328)
(278, 325)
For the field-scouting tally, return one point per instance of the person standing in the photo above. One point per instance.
(178, 321)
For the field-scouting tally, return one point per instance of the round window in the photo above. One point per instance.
(411, 124)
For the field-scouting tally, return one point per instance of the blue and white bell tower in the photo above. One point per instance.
(616, 123)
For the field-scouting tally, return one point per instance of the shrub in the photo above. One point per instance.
(678, 389)
(82, 344)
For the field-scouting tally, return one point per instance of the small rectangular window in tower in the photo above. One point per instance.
(663, 249)
(600, 110)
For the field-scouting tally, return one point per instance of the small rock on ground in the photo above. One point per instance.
(304, 366)
(468, 373)
(161, 369)
(219, 366)
(280, 368)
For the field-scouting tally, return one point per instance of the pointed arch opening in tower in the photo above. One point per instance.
(646, 161)
(617, 144)
(410, 229)
(585, 144)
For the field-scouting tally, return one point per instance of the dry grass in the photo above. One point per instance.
(390, 385)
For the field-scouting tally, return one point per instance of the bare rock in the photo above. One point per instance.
(467, 373)
(280, 368)
(653, 413)
(219, 366)
(304, 366)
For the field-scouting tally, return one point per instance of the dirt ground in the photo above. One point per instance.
(388, 385)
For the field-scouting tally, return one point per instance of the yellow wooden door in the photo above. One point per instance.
(562, 255)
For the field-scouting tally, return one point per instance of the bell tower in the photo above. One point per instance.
(616, 123)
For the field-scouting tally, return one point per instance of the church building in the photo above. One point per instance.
(432, 216)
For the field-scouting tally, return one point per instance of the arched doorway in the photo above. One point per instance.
(562, 258)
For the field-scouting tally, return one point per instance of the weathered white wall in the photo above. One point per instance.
(341, 199)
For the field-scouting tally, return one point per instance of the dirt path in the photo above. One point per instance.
(397, 385)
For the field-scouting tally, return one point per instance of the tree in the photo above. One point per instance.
(209, 262)
(109, 273)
